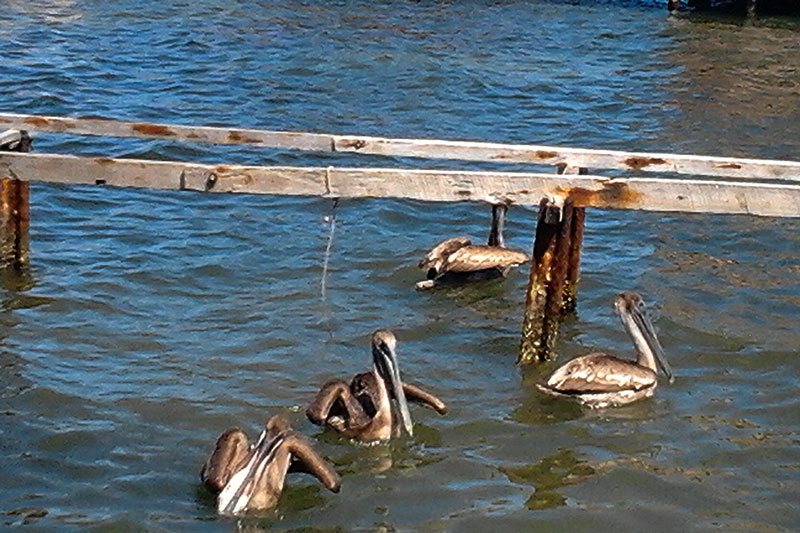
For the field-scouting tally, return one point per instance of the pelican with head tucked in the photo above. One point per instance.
(599, 380)
(458, 260)
(373, 406)
(250, 477)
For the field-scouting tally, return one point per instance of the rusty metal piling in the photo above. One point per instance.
(15, 211)
(555, 267)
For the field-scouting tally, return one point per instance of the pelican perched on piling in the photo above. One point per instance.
(250, 477)
(373, 406)
(457, 259)
(600, 380)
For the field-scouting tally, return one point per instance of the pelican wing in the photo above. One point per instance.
(481, 257)
(418, 395)
(600, 373)
(441, 251)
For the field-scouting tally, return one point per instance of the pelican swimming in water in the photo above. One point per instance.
(457, 259)
(373, 406)
(599, 380)
(250, 477)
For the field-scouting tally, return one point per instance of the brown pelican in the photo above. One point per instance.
(599, 380)
(457, 259)
(373, 406)
(15, 141)
(249, 477)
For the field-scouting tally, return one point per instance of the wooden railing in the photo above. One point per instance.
(728, 184)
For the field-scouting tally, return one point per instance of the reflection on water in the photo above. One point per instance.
(548, 475)
(149, 322)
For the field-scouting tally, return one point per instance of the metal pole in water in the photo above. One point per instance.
(15, 212)
(570, 300)
(553, 284)
(537, 333)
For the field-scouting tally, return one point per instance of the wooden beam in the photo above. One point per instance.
(653, 194)
(727, 167)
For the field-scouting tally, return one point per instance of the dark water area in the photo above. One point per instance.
(150, 321)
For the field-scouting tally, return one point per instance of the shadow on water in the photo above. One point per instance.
(379, 458)
(553, 472)
(15, 281)
(297, 496)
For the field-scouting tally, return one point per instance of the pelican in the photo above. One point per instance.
(457, 259)
(373, 406)
(15, 141)
(600, 380)
(250, 477)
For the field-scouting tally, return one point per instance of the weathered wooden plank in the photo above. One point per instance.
(655, 194)
(163, 174)
(727, 167)
(173, 132)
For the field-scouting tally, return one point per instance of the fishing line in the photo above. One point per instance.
(327, 258)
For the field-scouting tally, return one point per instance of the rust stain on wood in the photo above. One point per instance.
(358, 144)
(641, 162)
(153, 129)
(613, 194)
(544, 154)
(37, 121)
(729, 165)
(236, 137)
(104, 161)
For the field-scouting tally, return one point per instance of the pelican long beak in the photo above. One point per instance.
(235, 497)
(385, 361)
(635, 319)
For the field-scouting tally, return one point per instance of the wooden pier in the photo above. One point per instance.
(644, 181)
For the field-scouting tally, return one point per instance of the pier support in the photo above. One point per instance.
(14, 205)
(555, 271)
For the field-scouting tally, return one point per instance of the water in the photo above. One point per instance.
(149, 322)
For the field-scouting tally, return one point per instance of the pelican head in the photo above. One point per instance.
(384, 361)
(250, 481)
(633, 313)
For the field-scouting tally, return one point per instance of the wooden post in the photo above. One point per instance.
(538, 329)
(553, 284)
(15, 212)
(578, 218)
(570, 300)
(751, 8)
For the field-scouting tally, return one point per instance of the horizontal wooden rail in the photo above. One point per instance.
(725, 167)
(655, 194)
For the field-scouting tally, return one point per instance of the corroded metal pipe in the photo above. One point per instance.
(15, 214)
(552, 286)
(535, 343)
(570, 299)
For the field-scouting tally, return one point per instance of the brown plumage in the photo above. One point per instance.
(600, 380)
(372, 407)
(249, 477)
(458, 260)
